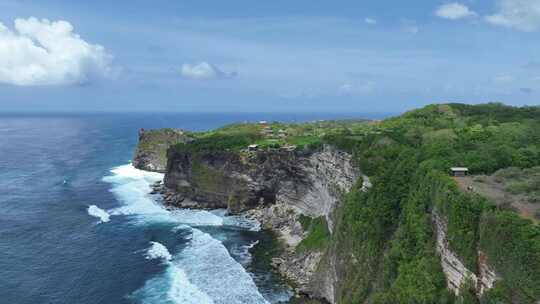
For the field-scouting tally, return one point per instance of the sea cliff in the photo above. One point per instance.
(287, 191)
(367, 211)
(151, 152)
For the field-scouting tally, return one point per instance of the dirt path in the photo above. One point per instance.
(487, 186)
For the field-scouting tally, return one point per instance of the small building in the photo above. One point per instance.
(289, 148)
(253, 147)
(459, 171)
(263, 122)
(267, 130)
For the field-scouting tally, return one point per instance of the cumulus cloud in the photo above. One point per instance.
(204, 71)
(454, 11)
(371, 21)
(41, 52)
(523, 15)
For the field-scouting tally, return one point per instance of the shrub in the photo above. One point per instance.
(517, 187)
(318, 235)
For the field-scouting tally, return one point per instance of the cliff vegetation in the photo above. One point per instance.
(385, 237)
(384, 231)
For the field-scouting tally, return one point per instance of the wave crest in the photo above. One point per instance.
(95, 211)
(158, 251)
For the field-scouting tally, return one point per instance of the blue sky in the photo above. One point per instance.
(307, 56)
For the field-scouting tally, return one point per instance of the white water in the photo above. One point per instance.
(158, 251)
(243, 253)
(95, 211)
(209, 266)
(203, 272)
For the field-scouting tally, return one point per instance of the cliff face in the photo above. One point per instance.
(456, 273)
(151, 153)
(239, 181)
(279, 188)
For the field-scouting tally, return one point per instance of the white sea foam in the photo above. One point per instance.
(243, 254)
(197, 217)
(204, 272)
(158, 251)
(95, 211)
(132, 187)
(240, 221)
(207, 264)
(172, 287)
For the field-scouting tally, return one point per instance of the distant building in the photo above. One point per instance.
(289, 148)
(459, 171)
(263, 122)
(253, 147)
(267, 130)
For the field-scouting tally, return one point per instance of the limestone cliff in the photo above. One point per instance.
(277, 187)
(151, 152)
(456, 273)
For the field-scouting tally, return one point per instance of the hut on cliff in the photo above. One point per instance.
(459, 171)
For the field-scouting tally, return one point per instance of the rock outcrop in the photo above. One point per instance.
(456, 272)
(310, 181)
(151, 153)
(277, 188)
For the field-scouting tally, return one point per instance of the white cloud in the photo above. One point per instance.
(371, 21)
(41, 52)
(454, 11)
(523, 15)
(204, 70)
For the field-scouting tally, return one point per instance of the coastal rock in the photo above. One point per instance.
(311, 181)
(151, 153)
(455, 271)
(277, 188)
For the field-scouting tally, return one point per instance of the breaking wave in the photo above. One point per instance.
(203, 272)
(158, 251)
(95, 211)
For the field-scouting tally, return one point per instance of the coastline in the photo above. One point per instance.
(269, 247)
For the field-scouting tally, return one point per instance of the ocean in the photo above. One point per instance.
(78, 225)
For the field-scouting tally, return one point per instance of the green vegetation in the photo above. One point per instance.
(521, 181)
(306, 136)
(156, 142)
(318, 234)
(217, 143)
(208, 179)
(388, 230)
(385, 236)
(513, 247)
(305, 221)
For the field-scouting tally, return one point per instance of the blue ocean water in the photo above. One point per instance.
(77, 224)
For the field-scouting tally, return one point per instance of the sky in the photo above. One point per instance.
(266, 56)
